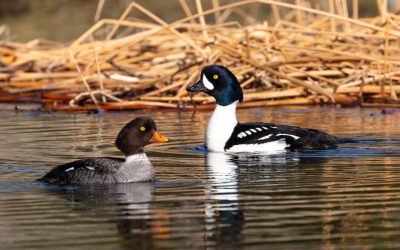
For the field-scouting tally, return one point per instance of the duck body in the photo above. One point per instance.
(136, 167)
(102, 170)
(269, 137)
(225, 134)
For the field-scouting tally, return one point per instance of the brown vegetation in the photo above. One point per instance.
(307, 56)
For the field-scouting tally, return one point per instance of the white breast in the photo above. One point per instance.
(135, 168)
(220, 127)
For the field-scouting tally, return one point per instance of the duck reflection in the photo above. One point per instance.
(143, 221)
(223, 217)
(128, 205)
(133, 194)
(227, 175)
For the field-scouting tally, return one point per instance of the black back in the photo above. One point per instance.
(307, 138)
(85, 171)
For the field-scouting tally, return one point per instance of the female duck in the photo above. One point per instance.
(135, 167)
(225, 133)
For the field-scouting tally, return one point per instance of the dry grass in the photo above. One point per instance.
(307, 56)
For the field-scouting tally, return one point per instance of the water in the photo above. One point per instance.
(340, 198)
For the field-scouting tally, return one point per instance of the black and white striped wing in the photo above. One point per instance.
(294, 137)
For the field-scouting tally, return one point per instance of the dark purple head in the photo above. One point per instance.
(219, 82)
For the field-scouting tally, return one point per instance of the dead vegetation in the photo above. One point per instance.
(306, 56)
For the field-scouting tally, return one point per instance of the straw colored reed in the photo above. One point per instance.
(302, 55)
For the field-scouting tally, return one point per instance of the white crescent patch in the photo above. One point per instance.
(207, 83)
(294, 136)
(265, 137)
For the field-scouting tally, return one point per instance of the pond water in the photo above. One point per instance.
(340, 198)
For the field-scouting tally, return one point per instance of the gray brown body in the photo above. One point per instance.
(102, 170)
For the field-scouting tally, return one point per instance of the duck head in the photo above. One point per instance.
(136, 134)
(220, 83)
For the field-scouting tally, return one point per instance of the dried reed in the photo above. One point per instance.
(303, 56)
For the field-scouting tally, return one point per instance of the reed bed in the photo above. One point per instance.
(305, 55)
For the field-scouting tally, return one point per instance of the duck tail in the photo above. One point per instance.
(347, 140)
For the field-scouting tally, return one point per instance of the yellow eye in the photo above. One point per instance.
(142, 129)
(215, 77)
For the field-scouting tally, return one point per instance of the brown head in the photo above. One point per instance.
(136, 134)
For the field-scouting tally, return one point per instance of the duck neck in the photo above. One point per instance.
(136, 157)
(220, 126)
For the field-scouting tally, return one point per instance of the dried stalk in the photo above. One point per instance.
(308, 56)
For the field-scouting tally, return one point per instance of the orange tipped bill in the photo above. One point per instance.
(157, 137)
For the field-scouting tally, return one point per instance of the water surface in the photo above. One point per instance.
(341, 198)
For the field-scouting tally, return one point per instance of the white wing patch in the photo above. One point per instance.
(241, 135)
(293, 136)
(207, 83)
(249, 132)
(265, 128)
(69, 169)
(265, 137)
(90, 168)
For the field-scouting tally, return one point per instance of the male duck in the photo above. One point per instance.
(135, 167)
(225, 133)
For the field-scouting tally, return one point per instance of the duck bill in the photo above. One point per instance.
(197, 87)
(157, 137)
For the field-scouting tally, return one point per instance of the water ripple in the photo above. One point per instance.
(340, 198)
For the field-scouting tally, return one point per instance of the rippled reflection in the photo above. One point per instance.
(340, 198)
(223, 216)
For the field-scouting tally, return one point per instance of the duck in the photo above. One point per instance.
(135, 167)
(225, 134)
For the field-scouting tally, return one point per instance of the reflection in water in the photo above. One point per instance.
(225, 172)
(136, 195)
(230, 175)
(224, 218)
(135, 222)
(341, 198)
(142, 226)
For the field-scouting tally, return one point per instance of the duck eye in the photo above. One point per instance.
(142, 129)
(215, 77)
